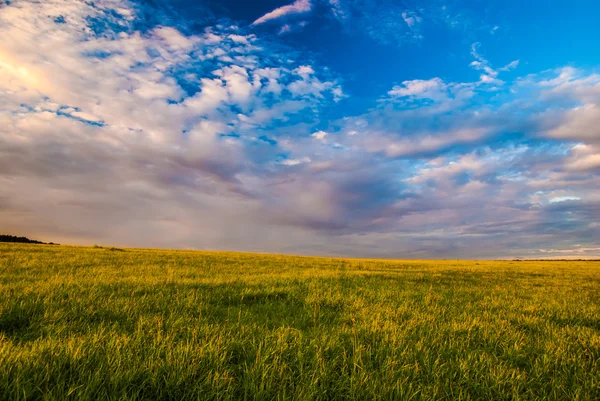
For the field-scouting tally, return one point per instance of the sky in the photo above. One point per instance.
(368, 128)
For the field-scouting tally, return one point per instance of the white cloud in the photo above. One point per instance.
(239, 39)
(174, 39)
(320, 135)
(338, 10)
(311, 85)
(588, 162)
(284, 29)
(212, 95)
(295, 162)
(298, 7)
(424, 142)
(490, 75)
(411, 18)
(510, 66)
(240, 89)
(563, 199)
(304, 71)
(432, 88)
(566, 75)
(272, 75)
(580, 124)
(487, 79)
(583, 158)
(576, 250)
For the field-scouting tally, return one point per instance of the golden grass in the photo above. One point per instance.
(109, 324)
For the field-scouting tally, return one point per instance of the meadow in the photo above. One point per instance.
(81, 323)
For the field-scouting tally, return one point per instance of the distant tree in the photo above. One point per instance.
(24, 240)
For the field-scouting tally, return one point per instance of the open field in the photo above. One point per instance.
(110, 324)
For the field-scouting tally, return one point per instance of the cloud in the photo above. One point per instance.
(510, 66)
(338, 9)
(117, 129)
(425, 143)
(382, 20)
(457, 186)
(310, 84)
(285, 29)
(580, 123)
(297, 7)
(295, 162)
(157, 119)
(433, 89)
(577, 250)
(587, 162)
(396, 23)
(387, 22)
(490, 75)
(320, 135)
(411, 18)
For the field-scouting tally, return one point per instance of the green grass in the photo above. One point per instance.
(124, 324)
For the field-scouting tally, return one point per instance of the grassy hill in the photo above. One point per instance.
(112, 324)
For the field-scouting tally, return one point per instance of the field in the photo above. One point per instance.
(126, 324)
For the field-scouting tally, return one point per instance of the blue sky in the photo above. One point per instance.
(375, 128)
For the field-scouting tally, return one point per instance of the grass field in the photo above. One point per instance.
(111, 324)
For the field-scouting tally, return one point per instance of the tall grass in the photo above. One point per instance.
(125, 324)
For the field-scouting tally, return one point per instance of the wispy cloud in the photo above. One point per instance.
(490, 75)
(411, 18)
(398, 23)
(338, 9)
(297, 7)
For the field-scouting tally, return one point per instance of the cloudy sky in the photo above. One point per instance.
(375, 128)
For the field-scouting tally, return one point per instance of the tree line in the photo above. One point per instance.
(24, 240)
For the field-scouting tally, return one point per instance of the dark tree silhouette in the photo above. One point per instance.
(24, 240)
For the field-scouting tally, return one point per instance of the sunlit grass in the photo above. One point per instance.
(108, 323)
